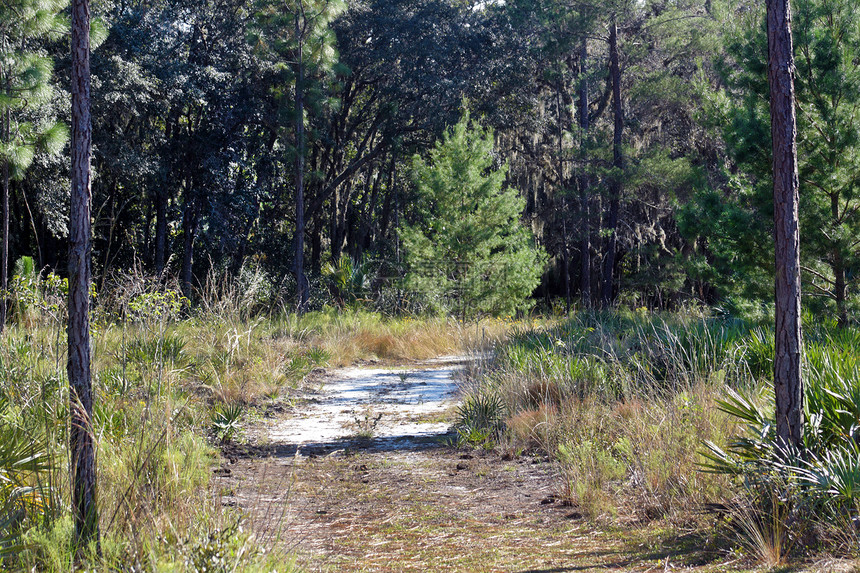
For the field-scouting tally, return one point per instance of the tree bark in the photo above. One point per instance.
(81, 439)
(160, 231)
(618, 164)
(787, 360)
(299, 239)
(4, 257)
(585, 216)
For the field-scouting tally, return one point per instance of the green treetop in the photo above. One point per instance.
(25, 74)
(467, 248)
(739, 224)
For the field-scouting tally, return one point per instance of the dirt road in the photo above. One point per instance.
(362, 477)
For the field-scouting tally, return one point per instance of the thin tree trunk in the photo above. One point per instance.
(618, 165)
(566, 265)
(787, 360)
(81, 439)
(340, 205)
(160, 232)
(365, 222)
(840, 289)
(148, 258)
(4, 257)
(111, 228)
(562, 192)
(316, 245)
(396, 225)
(299, 240)
(33, 227)
(585, 216)
(382, 232)
(838, 266)
(190, 221)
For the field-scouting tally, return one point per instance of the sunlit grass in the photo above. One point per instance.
(624, 402)
(161, 377)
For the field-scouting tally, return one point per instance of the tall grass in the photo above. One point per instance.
(611, 380)
(624, 403)
(171, 384)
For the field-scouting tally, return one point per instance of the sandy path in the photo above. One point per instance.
(383, 408)
(359, 478)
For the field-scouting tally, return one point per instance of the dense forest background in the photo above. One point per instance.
(636, 132)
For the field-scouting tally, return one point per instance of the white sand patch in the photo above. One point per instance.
(390, 408)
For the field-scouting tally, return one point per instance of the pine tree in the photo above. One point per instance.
(827, 100)
(25, 75)
(81, 434)
(297, 34)
(787, 359)
(467, 248)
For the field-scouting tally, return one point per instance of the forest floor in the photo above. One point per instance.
(360, 473)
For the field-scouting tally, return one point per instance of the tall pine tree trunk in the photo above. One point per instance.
(562, 191)
(787, 360)
(4, 257)
(611, 226)
(81, 440)
(585, 216)
(299, 239)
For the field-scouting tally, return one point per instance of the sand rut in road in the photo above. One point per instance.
(404, 501)
(394, 408)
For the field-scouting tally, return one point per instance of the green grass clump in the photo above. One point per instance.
(625, 401)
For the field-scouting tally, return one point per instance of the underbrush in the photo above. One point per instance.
(626, 402)
(171, 384)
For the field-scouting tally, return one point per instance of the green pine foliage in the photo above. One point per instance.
(467, 250)
(26, 73)
(273, 36)
(737, 222)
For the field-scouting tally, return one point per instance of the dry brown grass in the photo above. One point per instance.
(393, 345)
(530, 428)
(638, 456)
(349, 338)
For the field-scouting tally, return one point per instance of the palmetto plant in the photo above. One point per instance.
(23, 461)
(480, 417)
(832, 404)
(226, 421)
(347, 279)
(783, 484)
